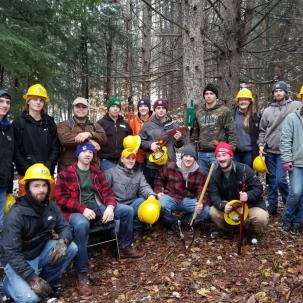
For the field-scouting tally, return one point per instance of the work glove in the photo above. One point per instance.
(287, 166)
(58, 252)
(41, 287)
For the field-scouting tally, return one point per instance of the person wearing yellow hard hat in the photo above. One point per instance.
(178, 186)
(292, 156)
(35, 134)
(152, 131)
(232, 180)
(6, 151)
(300, 94)
(129, 184)
(37, 241)
(247, 127)
(269, 142)
(76, 130)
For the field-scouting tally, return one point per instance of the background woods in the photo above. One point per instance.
(145, 47)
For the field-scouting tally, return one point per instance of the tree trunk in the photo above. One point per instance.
(193, 55)
(109, 67)
(146, 48)
(84, 61)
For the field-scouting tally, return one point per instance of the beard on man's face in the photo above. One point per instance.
(39, 197)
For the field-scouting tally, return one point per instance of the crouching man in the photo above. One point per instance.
(36, 241)
(227, 183)
(179, 186)
(85, 197)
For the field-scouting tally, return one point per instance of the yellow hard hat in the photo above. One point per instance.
(36, 90)
(300, 93)
(37, 171)
(259, 165)
(132, 142)
(244, 93)
(10, 201)
(127, 152)
(149, 211)
(159, 157)
(234, 217)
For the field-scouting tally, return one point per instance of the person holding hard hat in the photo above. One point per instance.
(227, 184)
(269, 142)
(129, 185)
(6, 151)
(247, 127)
(35, 134)
(178, 187)
(300, 94)
(37, 241)
(151, 132)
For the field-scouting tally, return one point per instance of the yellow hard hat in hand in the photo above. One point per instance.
(149, 211)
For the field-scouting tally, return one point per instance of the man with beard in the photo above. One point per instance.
(37, 241)
(86, 199)
(226, 185)
(77, 130)
(179, 186)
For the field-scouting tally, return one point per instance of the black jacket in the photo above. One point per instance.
(35, 142)
(225, 189)
(6, 156)
(26, 232)
(115, 132)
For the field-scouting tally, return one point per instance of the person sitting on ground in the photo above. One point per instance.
(86, 199)
(179, 186)
(37, 241)
(226, 185)
(77, 130)
(128, 184)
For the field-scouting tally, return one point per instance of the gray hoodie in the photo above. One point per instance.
(271, 123)
(291, 144)
(128, 185)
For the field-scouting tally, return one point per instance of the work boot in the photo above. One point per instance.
(131, 253)
(296, 229)
(83, 285)
(272, 211)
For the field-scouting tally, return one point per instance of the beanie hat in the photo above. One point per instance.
(144, 101)
(113, 101)
(161, 102)
(224, 147)
(189, 150)
(5, 93)
(280, 85)
(83, 147)
(211, 87)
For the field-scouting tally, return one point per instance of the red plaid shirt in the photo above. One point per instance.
(68, 195)
(171, 182)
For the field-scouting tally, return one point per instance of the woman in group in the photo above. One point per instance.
(35, 134)
(247, 127)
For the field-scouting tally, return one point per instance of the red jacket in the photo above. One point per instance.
(68, 195)
(171, 182)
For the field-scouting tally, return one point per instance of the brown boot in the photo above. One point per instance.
(131, 252)
(83, 285)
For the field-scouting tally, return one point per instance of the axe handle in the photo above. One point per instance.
(200, 201)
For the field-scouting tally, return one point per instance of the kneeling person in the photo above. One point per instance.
(226, 185)
(37, 241)
(178, 187)
(128, 184)
(85, 197)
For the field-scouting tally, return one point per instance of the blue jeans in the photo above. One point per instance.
(81, 226)
(205, 160)
(2, 206)
(138, 225)
(19, 290)
(244, 157)
(276, 180)
(187, 205)
(293, 211)
(107, 164)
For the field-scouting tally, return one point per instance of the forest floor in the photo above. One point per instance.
(211, 271)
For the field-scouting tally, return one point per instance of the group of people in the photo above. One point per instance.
(100, 179)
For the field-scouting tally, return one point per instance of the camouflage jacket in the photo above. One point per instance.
(213, 125)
